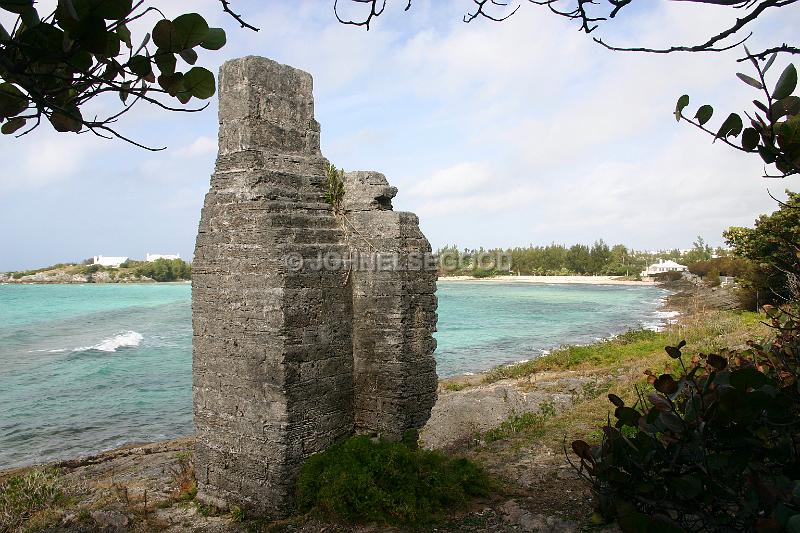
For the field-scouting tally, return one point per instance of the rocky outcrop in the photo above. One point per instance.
(294, 346)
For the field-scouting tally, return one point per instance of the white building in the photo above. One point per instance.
(112, 262)
(663, 266)
(153, 257)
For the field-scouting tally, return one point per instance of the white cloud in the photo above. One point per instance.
(455, 180)
(201, 146)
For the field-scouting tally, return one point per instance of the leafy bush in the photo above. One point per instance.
(714, 448)
(162, 269)
(22, 496)
(712, 278)
(360, 480)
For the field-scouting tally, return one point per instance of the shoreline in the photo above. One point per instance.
(552, 280)
(671, 314)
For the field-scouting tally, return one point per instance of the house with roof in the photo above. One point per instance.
(111, 262)
(663, 266)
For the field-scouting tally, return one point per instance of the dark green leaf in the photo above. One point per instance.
(732, 127)
(16, 6)
(750, 139)
(112, 9)
(704, 114)
(12, 101)
(63, 122)
(190, 56)
(747, 377)
(616, 400)
(786, 83)
(165, 36)
(717, 362)
(173, 83)
(140, 66)
(789, 133)
(124, 35)
(628, 416)
(683, 101)
(165, 61)
(788, 106)
(665, 384)
(200, 83)
(92, 34)
(12, 126)
(215, 39)
(673, 352)
(30, 17)
(769, 63)
(750, 81)
(190, 29)
(768, 154)
(761, 106)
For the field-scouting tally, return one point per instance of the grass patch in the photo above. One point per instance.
(526, 422)
(29, 498)
(455, 386)
(705, 333)
(360, 480)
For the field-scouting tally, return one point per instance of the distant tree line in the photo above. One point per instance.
(578, 259)
(161, 269)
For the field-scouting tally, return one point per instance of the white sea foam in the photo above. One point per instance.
(128, 339)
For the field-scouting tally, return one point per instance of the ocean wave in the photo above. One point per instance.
(128, 339)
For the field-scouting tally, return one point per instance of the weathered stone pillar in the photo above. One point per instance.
(280, 338)
(394, 310)
(273, 367)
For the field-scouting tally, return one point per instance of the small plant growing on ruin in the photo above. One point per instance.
(335, 188)
(360, 480)
(712, 448)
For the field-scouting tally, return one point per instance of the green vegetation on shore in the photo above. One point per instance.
(561, 260)
(161, 270)
(361, 480)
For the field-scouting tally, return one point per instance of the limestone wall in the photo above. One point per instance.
(394, 310)
(278, 344)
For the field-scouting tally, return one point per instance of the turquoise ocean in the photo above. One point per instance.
(87, 368)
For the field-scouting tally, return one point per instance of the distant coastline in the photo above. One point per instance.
(566, 280)
(158, 270)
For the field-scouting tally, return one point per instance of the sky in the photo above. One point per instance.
(496, 134)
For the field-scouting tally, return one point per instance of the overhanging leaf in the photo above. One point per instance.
(704, 114)
(16, 6)
(191, 29)
(200, 83)
(750, 81)
(732, 127)
(215, 39)
(12, 125)
(12, 100)
(683, 101)
(750, 139)
(165, 35)
(786, 83)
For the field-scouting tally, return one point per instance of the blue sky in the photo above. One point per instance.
(496, 134)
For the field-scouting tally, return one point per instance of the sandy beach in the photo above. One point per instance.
(567, 280)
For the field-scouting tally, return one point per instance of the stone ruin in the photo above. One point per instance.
(289, 353)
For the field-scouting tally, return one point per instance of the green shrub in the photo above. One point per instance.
(481, 273)
(714, 448)
(361, 480)
(23, 496)
(163, 269)
(712, 278)
(525, 422)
